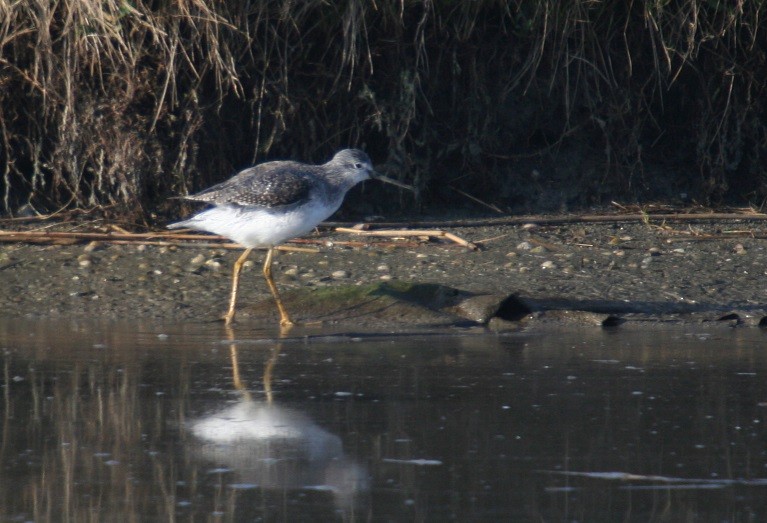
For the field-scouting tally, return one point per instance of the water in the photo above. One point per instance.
(105, 422)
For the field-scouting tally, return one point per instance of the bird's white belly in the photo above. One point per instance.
(258, 227)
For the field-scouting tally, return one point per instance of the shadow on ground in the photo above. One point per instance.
(427, 304)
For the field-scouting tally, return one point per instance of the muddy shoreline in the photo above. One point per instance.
(692, 271)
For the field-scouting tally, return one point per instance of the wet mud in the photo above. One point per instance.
(600, 274)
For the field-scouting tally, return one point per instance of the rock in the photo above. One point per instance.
(497, 324)
(572, 317)
(84, 261)
(92, 246)
(480, 308)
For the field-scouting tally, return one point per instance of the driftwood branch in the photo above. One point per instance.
(411, 232)
(579, 218)
(209, 240)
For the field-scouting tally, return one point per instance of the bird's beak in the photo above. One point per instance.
(378, 176)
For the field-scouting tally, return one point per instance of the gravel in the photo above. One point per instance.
(659, 268)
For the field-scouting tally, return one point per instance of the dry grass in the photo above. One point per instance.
(119, 103)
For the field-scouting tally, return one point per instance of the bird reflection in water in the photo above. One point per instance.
(274, 448)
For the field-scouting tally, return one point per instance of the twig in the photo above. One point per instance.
(412, 232)
(559, 220)
(162, 239)
(477, 200)
(714, 237)
(544, 244)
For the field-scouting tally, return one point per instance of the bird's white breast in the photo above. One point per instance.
(260, 227)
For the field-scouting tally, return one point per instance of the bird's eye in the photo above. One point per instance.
(358, 166)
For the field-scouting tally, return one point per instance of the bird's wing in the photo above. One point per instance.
(271, 184)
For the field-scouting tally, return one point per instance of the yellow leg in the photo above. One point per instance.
(238, 383)
(229, 316)
(285, 320)
(268, 371)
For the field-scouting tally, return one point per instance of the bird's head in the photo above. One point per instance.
(357, 165)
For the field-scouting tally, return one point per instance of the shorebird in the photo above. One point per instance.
(270, 203)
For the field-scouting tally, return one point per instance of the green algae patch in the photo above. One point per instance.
(401, 303)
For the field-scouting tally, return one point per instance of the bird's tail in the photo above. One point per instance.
(186, 224)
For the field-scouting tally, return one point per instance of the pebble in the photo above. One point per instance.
(383, 268)
(213, 264)
(84, 261)
(524, 246)
(739, 249)
(340, 275)
(92, 246)
(548, 264)
(195, 268)
(654, 251)
(538, 249)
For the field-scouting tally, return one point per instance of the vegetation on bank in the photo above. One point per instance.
(524, 104)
